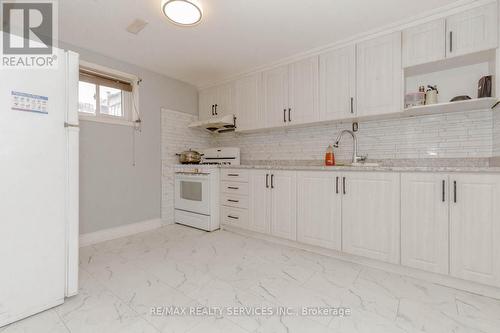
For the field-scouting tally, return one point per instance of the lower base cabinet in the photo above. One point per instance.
(424, 221)
(371, 215)
(273, 202)
(441, 223)
(475, 228)
(319, 209)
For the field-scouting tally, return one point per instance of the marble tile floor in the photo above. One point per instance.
(122, 280)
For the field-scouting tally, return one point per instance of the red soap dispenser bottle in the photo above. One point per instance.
(329, 156)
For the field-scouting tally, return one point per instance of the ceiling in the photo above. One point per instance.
(235, 35)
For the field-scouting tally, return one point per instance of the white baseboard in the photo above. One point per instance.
(118, 232)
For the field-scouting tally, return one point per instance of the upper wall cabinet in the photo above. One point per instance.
(216, 101)
(424, 43)
(291, 93)
(247, 103)
(206, 107)
(379, 75)
(303, 91)
(472, 31)
(337, 85)
(275, 92)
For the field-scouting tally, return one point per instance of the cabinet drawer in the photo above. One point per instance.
(234, 200)
(234, 175)
(235, 216)
(234, 188)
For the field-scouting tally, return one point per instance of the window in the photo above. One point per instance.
(107, 97)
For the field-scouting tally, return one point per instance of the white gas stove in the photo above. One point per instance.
(197, 188)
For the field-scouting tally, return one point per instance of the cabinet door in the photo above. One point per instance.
(337, 83)
(472, 31)
(259, 197)
(424, 43)
(284, 204)
(371, 215)
(424, 221)
(379, 75)
(224, 99)
(303, 92)
(248, 106)
(475, 228)
(319, 212)
(275, 84)
(206, 103)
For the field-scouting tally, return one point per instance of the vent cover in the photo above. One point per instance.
(137, 26)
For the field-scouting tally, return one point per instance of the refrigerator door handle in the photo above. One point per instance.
(71, 125)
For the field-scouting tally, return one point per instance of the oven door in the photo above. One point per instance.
(192, 193)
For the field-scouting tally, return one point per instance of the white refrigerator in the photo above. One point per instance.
(38, 187)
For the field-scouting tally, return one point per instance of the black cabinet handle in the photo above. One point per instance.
(267, 181)
(233, 217)
(289, 114)
(352, 104)
(213, 114)
(337, 185)
(284, 115)
(233, 188)
(444, 191)
(451, 41)
(216, 109)
(455, 191)
(272, 181)
(343, 185)
(231, 200)
(233, 174)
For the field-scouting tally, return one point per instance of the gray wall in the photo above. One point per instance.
(112, 191)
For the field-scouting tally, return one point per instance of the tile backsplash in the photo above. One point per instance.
(175, 138)
(496, 133)
(453, 135)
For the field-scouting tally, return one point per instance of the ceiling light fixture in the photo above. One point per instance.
(182, 12)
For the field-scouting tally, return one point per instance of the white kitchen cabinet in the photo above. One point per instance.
(424, 43)
(259, 201)
(284, 204)
(303, 104)
(319, 209)
(371, 215)
(472, 31)
(275, 85)
(424, 221)
(291, 93)
(337, 83)
(216, 101)
(273, 203)
(224, 99)
(379, 75)
(206, 103)
(475, 228)
(248, 103)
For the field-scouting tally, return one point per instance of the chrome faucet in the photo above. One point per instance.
(355, 157)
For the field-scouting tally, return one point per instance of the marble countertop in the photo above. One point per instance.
(315, 165)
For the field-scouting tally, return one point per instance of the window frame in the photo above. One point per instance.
(129, 117)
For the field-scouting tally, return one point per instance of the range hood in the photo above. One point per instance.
(216, 125)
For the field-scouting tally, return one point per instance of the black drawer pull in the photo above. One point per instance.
(233, 217)
(233, 188)
(233, 175)
(231, 200)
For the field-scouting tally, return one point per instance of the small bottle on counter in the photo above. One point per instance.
(329, 156)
